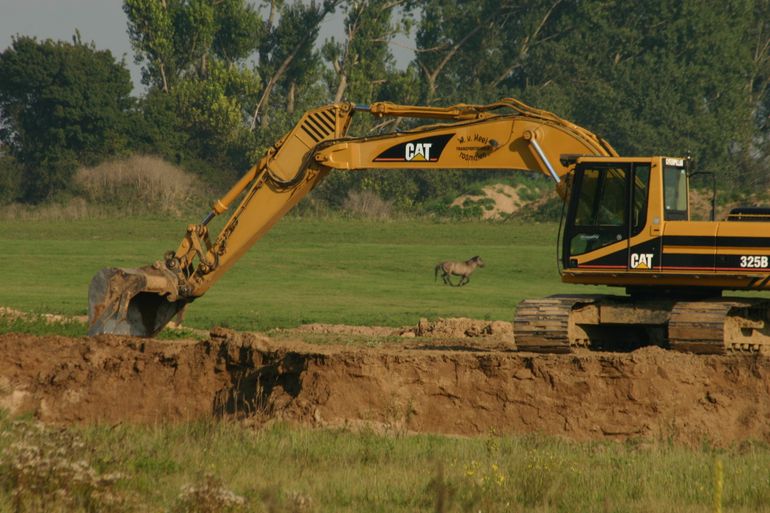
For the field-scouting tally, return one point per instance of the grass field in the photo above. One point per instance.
(305, 270)
(220, 466)
(334, 271)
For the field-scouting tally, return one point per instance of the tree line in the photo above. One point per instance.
(224, 79)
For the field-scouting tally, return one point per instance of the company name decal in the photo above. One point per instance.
(427, 149)
(475, 147)
(641, 260)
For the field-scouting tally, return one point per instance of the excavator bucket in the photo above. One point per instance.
(131, 302)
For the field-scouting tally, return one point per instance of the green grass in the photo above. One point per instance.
(305, 270)
(280, 468)
(37, 325)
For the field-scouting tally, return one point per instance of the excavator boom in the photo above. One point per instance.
(503, 135)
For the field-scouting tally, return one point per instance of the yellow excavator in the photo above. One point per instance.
(626, 223)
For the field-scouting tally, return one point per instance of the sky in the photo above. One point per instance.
(100, 21)
(104, 23)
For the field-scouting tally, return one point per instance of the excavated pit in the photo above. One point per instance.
(407, 385)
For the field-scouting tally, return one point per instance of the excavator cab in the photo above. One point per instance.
(628, 223)
(622, 216)
(608, 211)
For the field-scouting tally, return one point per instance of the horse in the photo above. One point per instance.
(462, 269)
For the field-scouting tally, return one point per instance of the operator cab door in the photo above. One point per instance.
(688, 246)
(607, 207)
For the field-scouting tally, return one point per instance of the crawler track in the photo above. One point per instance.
(720, 326)
(561, 324)
(543, 325)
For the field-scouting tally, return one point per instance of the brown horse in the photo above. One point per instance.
(462, 269)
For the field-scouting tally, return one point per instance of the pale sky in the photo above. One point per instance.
(100, 21)
(104, 23)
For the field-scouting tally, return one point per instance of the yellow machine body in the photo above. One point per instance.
(626, 224)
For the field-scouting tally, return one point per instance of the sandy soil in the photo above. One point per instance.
(452, 383)
(505, 200)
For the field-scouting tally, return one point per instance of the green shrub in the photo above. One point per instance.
(10, 180)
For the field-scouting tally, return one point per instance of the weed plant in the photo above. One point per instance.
(209, 466)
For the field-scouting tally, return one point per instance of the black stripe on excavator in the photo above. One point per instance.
(329, 117)
(322, 123)
(312, 126)
(675, 261)
(684, 261)
(720, 242)
(688, 261)
(312, 135)
(743, 242)
(427, 149)
(616, 260)
(620, 259)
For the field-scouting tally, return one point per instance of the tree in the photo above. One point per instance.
(756, 148)
(150, 30)
(61, 105)
(10, 179)
(477, 51)
(195, 52)
(653, 77)
(287, 57)
(210, 110)
(174, 39)
(448, 28)
(362, 61)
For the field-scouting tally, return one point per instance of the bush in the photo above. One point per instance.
(549, 209)
(442, 208)
(10, 180)
(139, 184)
(368, 205)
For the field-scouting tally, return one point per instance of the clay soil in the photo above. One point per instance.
(428, 379)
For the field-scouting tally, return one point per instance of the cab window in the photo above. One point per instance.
(600, 209)
(675, 193)
(602, 200)
(641, 188)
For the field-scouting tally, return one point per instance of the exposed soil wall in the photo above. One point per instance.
(413, 386)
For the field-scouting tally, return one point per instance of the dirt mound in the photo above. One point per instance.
(344, 329)
(452, 327)
(463, 327)
(402, 387)
(499, 200)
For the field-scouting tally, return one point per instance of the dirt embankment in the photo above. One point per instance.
(412, 386)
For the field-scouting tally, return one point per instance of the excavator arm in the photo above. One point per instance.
(502, 135)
